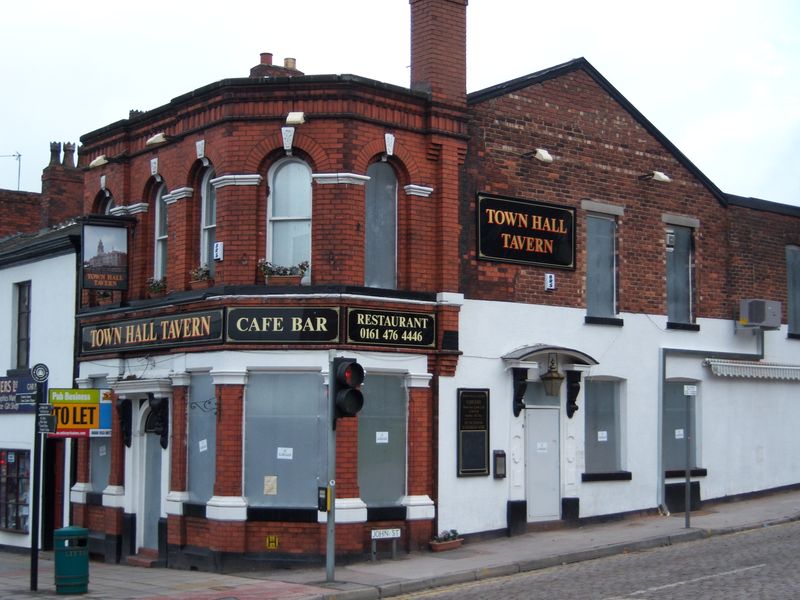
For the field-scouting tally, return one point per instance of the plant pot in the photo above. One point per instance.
(156, 293)
(199, 284)
(283, 279)
(446, 545)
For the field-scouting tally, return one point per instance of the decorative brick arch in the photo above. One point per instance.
(403, 161)
(317, 156)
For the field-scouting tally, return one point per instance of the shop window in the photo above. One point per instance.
(201, 437)
(603, 440)
(23, 324)
(380, 254)
(601, 267)
(289, 218)
(674, 427)
(793, 279)
(15, 468)
(382, 441)
(680, 259)
(285, 455)
(208, 221)
(160, 260)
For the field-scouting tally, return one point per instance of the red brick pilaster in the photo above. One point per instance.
(230, 411)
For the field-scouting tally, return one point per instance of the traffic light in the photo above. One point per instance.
(347, 378)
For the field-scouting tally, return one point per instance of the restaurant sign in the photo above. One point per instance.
(527, 232)
(283, 325)
(156, 332)
(390, 328)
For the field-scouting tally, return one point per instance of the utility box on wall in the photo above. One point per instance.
(765, 314)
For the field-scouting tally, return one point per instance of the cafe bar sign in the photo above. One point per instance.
(527, 232)
(283, 325)
(157, 332)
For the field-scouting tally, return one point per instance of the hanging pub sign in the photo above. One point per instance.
(526, 232)
(473, 432)
(156, 332)
(390, 328)
(17, 394)
(283, 324)
(105, 257)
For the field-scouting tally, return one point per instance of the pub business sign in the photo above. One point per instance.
(157, 332)
(105, 257)
(527, 232)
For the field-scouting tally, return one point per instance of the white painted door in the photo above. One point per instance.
(542, 464)
(152, 491)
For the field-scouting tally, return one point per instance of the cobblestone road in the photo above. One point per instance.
(758, 564)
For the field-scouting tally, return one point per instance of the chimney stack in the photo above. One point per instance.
(266, 69)
(439, 49)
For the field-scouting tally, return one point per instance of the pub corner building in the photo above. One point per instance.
(556, 312)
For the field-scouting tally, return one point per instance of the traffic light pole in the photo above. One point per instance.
(330, 548)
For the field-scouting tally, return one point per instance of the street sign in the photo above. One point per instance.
(45, 424)
(40, 372)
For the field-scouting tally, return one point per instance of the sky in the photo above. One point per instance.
(719, 78)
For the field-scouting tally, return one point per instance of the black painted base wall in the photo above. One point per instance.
(675, 496)
(517, 517)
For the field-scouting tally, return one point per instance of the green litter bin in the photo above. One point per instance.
(71, 560)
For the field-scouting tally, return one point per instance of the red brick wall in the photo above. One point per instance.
(230, 413)
(600, 151)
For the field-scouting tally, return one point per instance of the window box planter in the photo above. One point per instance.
(446, 545)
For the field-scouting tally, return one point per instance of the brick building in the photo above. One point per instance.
(472, 252)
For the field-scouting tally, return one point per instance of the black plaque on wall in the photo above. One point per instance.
(473, 432)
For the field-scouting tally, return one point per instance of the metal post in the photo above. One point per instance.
(688, 491)
(35, 475)
(330, 548)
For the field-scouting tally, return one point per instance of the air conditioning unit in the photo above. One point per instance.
(764, 314)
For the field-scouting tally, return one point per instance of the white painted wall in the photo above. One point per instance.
(747, 439)
(53, 282)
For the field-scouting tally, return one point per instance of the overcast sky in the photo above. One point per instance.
(719, 78)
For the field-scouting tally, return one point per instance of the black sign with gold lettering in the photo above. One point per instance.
(389, 328)
(283, 325)
(163, 331)
(527, 232)
(473, 432)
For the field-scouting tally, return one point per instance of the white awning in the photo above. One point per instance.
(752, 370)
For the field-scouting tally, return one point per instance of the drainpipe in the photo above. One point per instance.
(662, 366)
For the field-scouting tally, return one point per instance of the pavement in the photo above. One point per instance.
(412, 572)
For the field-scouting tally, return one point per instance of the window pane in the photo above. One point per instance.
(679, 283)
(600, 263)
(602, 426)
(674, 427)
(291, 242)
(160, 261)
(201, 437)
(382, 441)
(23, 324)
(285, 444)
(793, 278)
(291, 190)
(380, 258)
(208, 221)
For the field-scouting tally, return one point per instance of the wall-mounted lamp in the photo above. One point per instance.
(296, 118)
(155, 140)
(552, 379)
(539, 154)
(99, 161)
(288, 137)
(659, 176)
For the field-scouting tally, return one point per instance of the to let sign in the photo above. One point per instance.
(76, 411)
(527, 232)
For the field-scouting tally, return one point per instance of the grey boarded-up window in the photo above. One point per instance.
(285, 456)
(793, 280)
(380, 257)
(382, 440)
(679, 274)
(601, 266)
(201, 408)
(674, 434)
(602, 426)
